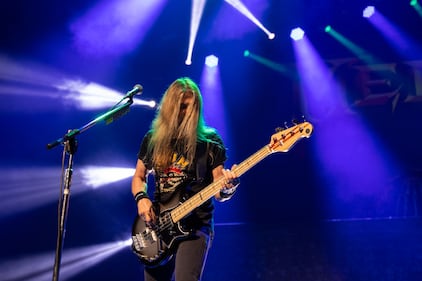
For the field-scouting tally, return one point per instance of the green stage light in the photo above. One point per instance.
(355, 49)
(328, 28)
(415, 4)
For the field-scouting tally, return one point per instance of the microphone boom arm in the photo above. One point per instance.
(108, 116)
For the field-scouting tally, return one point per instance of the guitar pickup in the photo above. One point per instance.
(154, 236)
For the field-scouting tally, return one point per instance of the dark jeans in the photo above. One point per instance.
(186, 265)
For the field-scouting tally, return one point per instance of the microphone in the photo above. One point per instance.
(137, 90)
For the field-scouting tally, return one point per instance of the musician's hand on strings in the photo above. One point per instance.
(230, 178)
(229, 183)
(146, 210)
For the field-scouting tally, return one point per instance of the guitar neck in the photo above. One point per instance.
(212, 189)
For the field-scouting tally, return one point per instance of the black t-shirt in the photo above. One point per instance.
(181, 180)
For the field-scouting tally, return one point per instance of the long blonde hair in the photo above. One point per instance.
(169, 132)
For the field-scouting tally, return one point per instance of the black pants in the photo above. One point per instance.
(186, 265)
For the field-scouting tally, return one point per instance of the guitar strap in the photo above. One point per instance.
(202, 162)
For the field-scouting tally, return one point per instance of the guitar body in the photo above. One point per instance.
(154, 244)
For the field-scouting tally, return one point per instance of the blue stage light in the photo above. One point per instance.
(297, 33)
(368, 11)
(211, 61)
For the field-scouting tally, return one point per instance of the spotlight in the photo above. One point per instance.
(150, 103)
(368, 11)
(297, 34)
(96, 176)
(127, 242)
(188, 62)
(211, 61)
(415, 4)
(271, 36)
(327, 28)
(246, 53)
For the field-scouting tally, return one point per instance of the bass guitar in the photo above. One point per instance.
(153, 243)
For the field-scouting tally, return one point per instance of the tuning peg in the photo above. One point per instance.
(295, 122)
(278, 129)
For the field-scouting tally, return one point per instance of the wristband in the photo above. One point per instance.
(140, 195)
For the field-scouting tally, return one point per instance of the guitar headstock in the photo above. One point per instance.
(283, 140)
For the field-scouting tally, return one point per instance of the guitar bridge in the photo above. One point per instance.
(144, 239)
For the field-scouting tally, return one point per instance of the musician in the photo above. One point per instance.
(184, 156)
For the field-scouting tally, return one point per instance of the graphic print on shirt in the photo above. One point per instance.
(173, 176)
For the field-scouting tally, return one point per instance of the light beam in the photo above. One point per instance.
(39, 267)
(196, 15)
(238, 5)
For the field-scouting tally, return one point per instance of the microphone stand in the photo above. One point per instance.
(70, 145)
